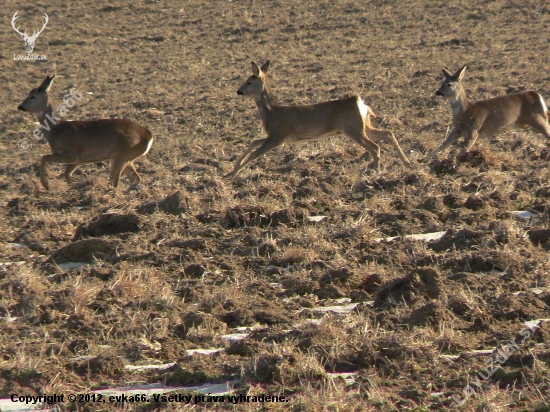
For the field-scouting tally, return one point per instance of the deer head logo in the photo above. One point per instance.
(29, 40)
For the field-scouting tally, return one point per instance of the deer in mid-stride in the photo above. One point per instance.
(79, 142)
(488, 117)
(291, 124)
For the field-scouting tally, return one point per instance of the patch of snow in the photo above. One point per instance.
(72, 265)
(161, 367)
(192, 352)
(155, 388)
(316, 219)
(349, 377)
(536, 291)
(522, 213)
(421, 236)
(234, 336)
(6, 405)
(336, 309)
(531, 324)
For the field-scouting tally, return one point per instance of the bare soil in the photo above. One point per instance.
(189, 256)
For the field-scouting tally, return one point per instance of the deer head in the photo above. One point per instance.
(29, 40)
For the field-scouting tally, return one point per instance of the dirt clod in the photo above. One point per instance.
(84, 251)
(108, 224)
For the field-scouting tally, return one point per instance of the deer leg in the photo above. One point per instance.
(452, 138)
(131, 173)
(265, 145)
(372, 148)
(118, 164)
(540, 124)
(470, 140)
(253, 146)
(69, 171)
(53, 158)
(377, 134)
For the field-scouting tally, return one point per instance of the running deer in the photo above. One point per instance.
(291, 124)
(79, 142)
(488, 117)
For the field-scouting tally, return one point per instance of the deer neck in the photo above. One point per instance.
(459, 105)
(48, 118)
(265, 103)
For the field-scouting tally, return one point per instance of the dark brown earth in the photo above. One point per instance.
(189, 256)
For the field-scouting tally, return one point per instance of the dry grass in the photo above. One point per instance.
(192, 256)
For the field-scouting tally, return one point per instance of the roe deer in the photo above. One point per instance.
(79, 142)
(488, 117)
(290, 124)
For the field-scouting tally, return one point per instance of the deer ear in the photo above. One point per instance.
(255, 69)
(265, 67)
(460, 73)
(447, 73)
(46, 84)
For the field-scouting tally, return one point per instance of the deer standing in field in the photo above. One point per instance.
(79, 142)
(291, 124)
(488, 117)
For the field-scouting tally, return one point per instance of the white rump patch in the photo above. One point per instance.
(148, 147)
(544, 107)
(363, 108)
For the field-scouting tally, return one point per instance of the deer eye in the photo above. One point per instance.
(449, 85)
(248, 83)
(32, 97)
